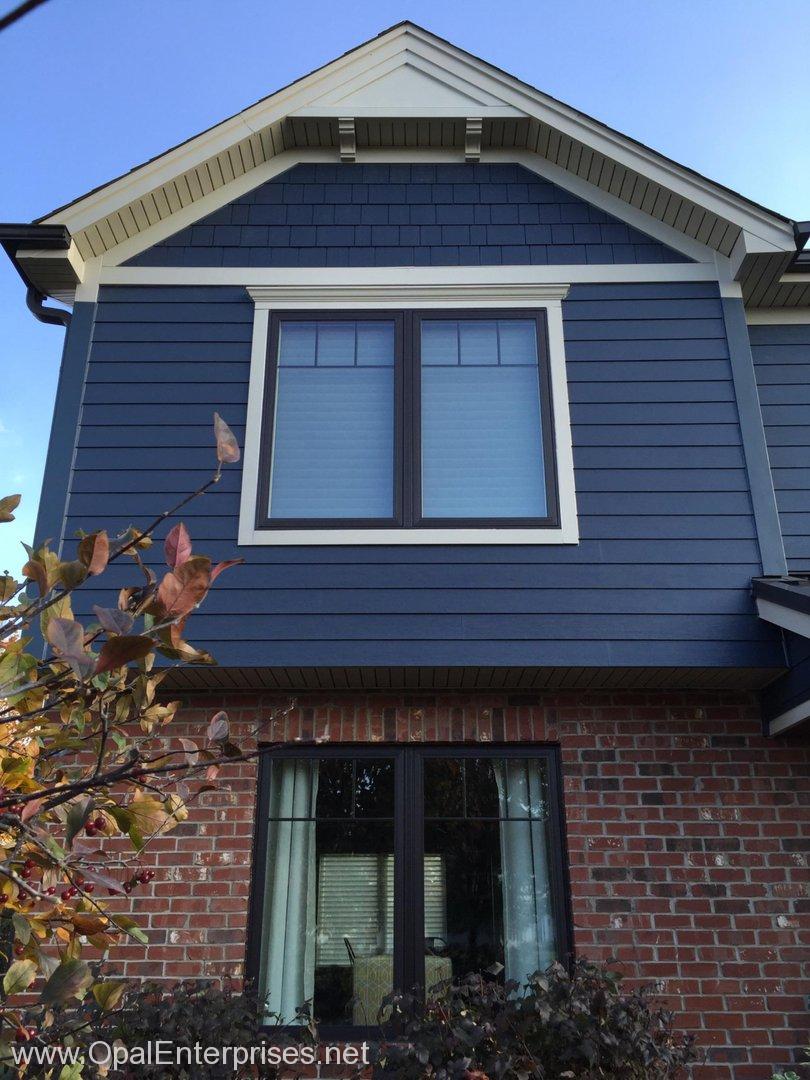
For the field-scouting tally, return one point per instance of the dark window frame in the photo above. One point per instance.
(407, 421)
(409, 836)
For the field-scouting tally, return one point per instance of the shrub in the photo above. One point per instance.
(190, 1013)
(559, 1025)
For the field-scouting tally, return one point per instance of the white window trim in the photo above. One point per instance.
(422, 293)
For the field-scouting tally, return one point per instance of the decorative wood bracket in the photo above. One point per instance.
(348, 138)
(472, 138)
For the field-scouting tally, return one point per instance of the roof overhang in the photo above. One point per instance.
(410, 91)
(785, 602)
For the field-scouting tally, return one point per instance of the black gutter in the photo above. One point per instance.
(15, 237)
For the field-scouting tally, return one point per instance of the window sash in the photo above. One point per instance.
(409, 848)
(407, 463)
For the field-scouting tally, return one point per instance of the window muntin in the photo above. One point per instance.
(362, 884)
(332, 433)
(411, 419)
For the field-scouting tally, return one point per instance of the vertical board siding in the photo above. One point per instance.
(406, 215)
(782, 365)
(668, 545)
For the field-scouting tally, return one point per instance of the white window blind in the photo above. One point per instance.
(356, 901)
(333, 424)
(482, 439)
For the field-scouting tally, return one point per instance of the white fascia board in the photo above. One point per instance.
(352, 278)
(777, 316)
(356, 69)
(408, 294)
(787, 618)
(618, 147)
(173, 163)
(789, 719)
(611, 204)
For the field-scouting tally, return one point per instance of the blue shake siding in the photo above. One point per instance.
(667, 537)
(407, 215)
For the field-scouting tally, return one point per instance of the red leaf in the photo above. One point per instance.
(67, 638)
(35, 571)
(217, 570)
(177, 546)
(227, 446)
(114, 621)
(118, 651)
(94, 551)
(185, 587)
(31, 808)
(218, 728)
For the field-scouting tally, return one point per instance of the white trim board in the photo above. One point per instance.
(405, 295)
(789, 719)
(777, 316)
(324, 279)
(798, 622)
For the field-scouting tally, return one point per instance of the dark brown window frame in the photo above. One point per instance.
(407, 421)
(409, 819)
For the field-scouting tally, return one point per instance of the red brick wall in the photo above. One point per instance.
(685, 829)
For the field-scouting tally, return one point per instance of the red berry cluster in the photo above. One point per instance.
(143, 878)
(97, 825)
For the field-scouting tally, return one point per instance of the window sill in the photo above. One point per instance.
(349, 536)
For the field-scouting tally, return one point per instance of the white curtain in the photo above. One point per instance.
(528, 920)
(288, 942)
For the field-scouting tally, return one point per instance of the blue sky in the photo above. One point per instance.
(89, 88)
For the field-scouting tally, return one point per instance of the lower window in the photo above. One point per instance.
(382, 868)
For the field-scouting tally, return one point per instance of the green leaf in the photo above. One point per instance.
(71, 979)
(108, 994)
(19, 977)
(72, 1072)
(22, 928)
(77, 815)
(131, 928)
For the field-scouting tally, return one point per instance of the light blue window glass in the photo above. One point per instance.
(333, 427)
(482, 437)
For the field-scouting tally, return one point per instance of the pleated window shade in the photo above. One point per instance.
(481, 426)
(356, 901)
(333, 425)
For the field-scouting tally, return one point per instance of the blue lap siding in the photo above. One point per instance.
(668, 545)
(407, 215)
(782, 364)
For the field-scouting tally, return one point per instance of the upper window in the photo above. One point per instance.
(383, 867)
(407, 420)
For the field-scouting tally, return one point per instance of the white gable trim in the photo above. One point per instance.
(403, 293)
(406, 45)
